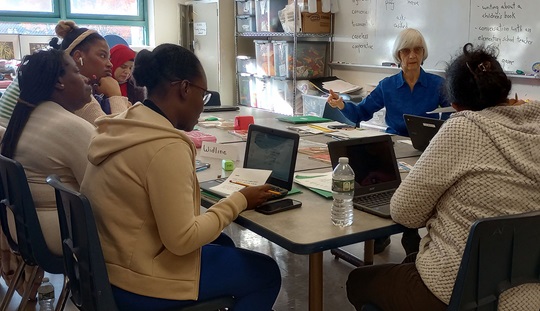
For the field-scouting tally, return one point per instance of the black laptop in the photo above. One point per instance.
(268, 149)
(421, 130)
(376, 172)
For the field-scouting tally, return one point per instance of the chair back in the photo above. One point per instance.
(83, 256)
(501, 253)
(15, 195)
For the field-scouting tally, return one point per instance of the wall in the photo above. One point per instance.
(164, 21)
(161, 31)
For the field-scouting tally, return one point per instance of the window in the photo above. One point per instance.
(125, 18)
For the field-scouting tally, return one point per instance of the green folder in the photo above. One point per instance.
(303, 119)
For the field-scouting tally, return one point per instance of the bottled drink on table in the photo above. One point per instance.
(46, 295)
(342, 192)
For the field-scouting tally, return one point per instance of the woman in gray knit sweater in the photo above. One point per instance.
(484, 162)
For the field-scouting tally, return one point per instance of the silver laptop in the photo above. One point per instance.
(421, 130)
(268, 149)
(375, 168)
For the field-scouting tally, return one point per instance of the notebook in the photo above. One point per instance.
(375, 168)
(421, 130)
(303, 119)
(269, 149)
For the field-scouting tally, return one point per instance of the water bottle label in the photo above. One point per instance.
(342, 185)
(46, 296)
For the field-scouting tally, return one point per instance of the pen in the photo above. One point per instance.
(202, 167)
(246, 185)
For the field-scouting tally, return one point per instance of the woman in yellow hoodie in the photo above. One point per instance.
(145, 195)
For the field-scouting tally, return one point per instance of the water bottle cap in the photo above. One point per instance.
(343, 160)
(45, 279)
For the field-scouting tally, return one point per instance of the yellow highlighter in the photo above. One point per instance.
(321, 128)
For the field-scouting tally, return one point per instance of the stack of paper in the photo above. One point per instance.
(320, 183)
(340, 86)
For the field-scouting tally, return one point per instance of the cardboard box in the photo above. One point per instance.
(316, 22)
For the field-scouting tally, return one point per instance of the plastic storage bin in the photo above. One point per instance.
(264, 54)
(266, 15)
(263, 93)
(246, 64)
(245, 7)
(245, 23)
(246, 90)
(313, 105)
(310, 59)
(282, 93)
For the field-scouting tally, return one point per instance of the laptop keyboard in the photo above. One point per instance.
(374, 200)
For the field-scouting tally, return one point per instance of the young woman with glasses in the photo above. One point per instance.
(144, 191)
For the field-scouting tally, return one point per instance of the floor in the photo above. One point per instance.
(294, 271)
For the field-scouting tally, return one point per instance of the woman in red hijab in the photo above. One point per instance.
(122, 58)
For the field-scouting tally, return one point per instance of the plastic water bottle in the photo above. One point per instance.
(46, 295)
(342, 192)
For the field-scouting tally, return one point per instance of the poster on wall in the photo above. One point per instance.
(9, 47)
(32, 44)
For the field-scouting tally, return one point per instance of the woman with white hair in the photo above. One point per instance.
(411, 91)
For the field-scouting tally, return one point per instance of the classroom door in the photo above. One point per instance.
(205, 43)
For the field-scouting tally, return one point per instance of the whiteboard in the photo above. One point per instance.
(365, 30)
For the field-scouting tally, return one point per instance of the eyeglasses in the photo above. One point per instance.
(417, 50)
(206, 94)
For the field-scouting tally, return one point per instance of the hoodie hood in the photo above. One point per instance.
(137, 125)
(515, 131)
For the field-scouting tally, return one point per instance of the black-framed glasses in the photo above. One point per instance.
(206, 93)
(417, 50)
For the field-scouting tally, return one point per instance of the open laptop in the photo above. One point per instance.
(269, 149)
(421, 130)
(376, 172)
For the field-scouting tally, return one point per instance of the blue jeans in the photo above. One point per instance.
(252, 278)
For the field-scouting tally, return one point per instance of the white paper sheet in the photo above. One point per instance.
(245, 176)
(322, 181)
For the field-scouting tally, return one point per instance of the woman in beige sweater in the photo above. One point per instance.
(484, 162)
(46, 137)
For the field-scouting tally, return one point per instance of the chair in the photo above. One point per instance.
(85, 265)
(215, 99)
(30, 245)
(501, 253)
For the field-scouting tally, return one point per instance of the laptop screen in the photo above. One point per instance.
(421, 130)
(373, 161)
(274, 150)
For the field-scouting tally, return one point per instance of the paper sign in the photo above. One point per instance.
(219, 151)
(199, 29)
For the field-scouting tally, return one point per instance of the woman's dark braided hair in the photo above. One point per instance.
(476, 80)
(37, 77)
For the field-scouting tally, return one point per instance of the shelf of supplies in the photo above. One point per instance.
(325, 36)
